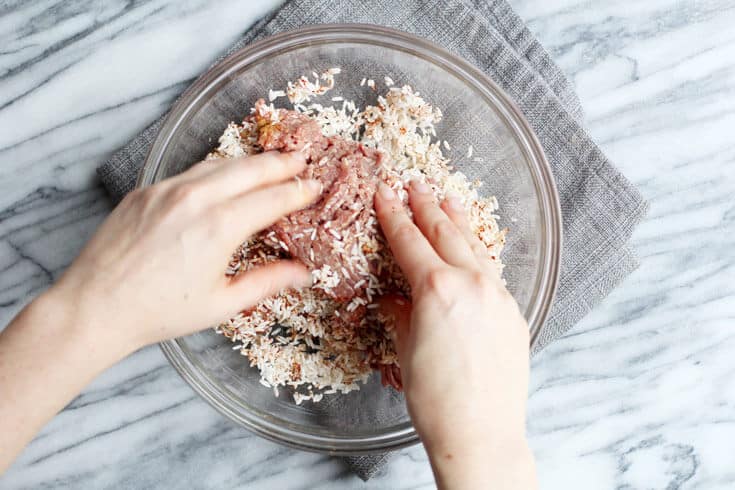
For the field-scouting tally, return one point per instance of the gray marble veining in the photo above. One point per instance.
(639, 395)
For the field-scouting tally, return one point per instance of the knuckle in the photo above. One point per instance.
(141, 197)
(440, 286)
(258, 171)
(458, 216)
(273, 162)
(404, 231)
(479, 280)
(200, 168)
(132, 197)
(204, 164)
(479, 250)
(484, 286)
(441, 228)
(438, 279)
(185, 193)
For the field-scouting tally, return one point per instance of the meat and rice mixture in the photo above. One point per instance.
(328, 338)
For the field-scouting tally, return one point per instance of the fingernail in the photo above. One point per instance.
(296, 157)
(420, 187)
(454, 201)
(386, 192)
(314, 186)
(304, 278)
(308, 280)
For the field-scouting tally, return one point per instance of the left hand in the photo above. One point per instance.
(155, 268)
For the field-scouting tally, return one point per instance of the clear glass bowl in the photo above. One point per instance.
(476, 112)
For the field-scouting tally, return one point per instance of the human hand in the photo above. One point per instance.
(462, 345)
(155, 268)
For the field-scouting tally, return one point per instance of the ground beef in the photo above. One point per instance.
(324, 233)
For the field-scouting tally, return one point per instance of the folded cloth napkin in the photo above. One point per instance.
(600, 208)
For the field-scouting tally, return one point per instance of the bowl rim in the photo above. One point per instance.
(551, 223)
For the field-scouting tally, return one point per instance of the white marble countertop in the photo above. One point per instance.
(639, 395)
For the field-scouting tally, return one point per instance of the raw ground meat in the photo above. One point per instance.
(324, 233)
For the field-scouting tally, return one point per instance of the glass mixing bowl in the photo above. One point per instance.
(476, 112)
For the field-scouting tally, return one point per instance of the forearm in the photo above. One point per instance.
(47, 356)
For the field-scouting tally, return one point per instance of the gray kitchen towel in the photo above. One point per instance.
(600, 208)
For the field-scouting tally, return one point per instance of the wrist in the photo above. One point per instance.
(73, 320)
(477, 460)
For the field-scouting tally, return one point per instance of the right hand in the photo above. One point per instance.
(155, 268)
(463, 345)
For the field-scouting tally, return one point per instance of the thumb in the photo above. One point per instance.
(395, 312)
(245, 290)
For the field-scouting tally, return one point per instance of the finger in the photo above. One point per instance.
(201, 169)
(246, 290)
(436, 226)
(257, 210)
(390, 375)
(190, 176)
(395, 311)
(225, 178)
(398, 377)
(456, 211)
(412, 251)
